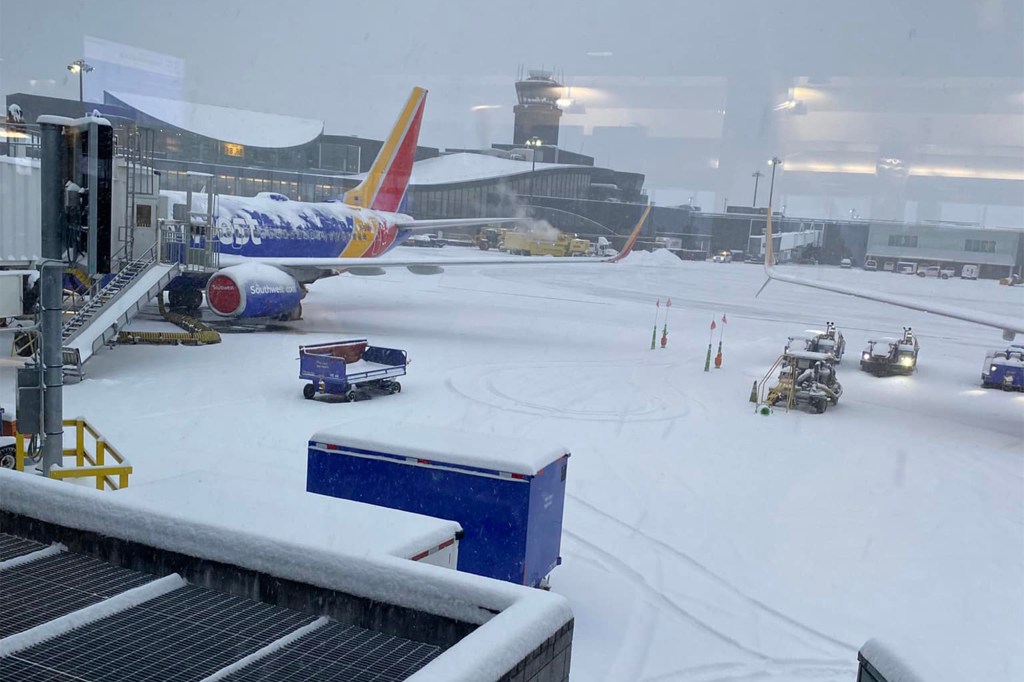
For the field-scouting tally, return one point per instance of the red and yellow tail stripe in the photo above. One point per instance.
(385, 184)
(633, 236)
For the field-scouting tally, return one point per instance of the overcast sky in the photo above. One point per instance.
(351, 64)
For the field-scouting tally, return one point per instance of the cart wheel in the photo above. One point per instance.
(7, 458)
(395, 387)
(821, 405)
(308, 391)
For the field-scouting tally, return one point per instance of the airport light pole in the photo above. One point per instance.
(773, 162)
(80, 67)
(757, 175)
(534, 143)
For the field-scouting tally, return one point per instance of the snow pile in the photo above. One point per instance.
(659, 258)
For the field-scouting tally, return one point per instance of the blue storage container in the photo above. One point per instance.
(508, 494)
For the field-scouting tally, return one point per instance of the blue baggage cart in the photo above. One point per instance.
(507, 494)
(352, 369)
(1004, 369)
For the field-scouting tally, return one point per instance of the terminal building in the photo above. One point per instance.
(249, 152)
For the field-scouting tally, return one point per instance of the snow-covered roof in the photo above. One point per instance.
(465, 167)
(328, 523)
(524, 618)
(482, 450)
(240, 126)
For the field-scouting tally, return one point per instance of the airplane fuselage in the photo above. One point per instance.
(270, 225)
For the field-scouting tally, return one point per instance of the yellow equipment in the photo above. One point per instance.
(536, 244)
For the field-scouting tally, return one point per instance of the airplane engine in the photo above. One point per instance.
(252, 290)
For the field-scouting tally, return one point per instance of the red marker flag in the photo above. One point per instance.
(658, 304)
(712, 325)
(724, 321)
(669, 304)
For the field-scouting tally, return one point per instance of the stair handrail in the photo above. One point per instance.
(145, 260)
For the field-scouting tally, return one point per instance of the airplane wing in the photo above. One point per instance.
(376, 265)
(1008, 325)
(443, 223)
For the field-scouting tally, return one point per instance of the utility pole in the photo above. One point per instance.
(757, 176)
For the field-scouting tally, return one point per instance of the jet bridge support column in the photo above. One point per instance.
(53, 176)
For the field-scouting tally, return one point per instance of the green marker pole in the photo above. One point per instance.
(654, 337)
(707, 360)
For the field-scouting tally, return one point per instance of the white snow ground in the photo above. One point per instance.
(701, 541)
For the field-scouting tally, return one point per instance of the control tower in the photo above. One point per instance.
(537, 113)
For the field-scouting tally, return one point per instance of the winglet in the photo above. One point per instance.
(632, 237)
(386, 182)
(769, 252)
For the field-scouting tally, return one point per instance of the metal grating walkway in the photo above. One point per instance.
(338, 653)
(12, 546)
(184, 635)
(54, 586)
(181, 636)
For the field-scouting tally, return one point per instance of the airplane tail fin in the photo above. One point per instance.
(384, 186)
(632, 237)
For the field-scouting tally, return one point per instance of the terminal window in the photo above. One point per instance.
(908, 240)
(980, 245)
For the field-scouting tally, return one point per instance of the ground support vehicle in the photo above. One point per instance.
(490, 238)
(536, 244)
(806, 379)
(830, 341)
(430, 241)
(887, 355)
(1004, 369)
(508, 494)
(350, 369)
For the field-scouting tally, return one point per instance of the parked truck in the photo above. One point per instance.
(536, 244)
(506, 493)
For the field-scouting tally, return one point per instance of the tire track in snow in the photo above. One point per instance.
(736, 672)
(757, 604)
(490, 394)
(653, 595)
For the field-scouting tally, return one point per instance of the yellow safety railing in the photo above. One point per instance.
(103, 461)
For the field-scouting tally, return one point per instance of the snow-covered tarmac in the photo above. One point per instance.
(701, 541)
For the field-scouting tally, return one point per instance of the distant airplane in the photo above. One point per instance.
(1008, 325)
(270, 246)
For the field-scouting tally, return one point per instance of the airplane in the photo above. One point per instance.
(271, 247)
(1010, 327)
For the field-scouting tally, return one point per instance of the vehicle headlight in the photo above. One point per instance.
(906, 362)
(991, 369)
(866, 356)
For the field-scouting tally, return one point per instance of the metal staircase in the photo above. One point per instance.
(111, 306)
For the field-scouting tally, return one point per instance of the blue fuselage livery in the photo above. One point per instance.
(271, 225)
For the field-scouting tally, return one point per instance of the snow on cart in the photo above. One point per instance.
(352, 369)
